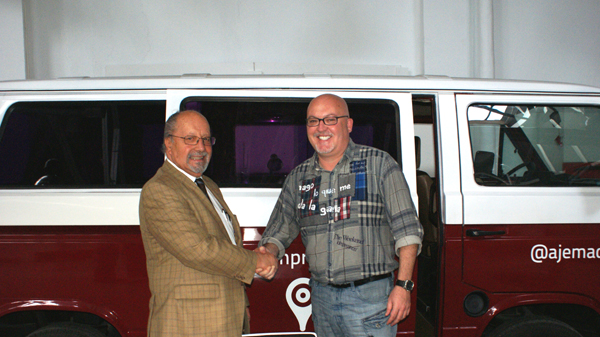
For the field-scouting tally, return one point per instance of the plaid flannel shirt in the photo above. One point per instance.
(352, 219)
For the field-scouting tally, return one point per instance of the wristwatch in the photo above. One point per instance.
(406, 284)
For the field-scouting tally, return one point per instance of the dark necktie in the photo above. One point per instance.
(200, 184)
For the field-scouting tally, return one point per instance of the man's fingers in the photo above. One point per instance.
(398, 306)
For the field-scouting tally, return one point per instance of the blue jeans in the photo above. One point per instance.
(352, 311)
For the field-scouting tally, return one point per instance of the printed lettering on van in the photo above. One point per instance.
(541, 252)
(297, 296)
(292, 260)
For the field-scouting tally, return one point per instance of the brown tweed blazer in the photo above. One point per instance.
(196, 274)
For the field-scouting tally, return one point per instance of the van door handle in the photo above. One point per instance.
(478, 232)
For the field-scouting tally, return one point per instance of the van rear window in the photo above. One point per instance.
(81, 144)
(259, 141)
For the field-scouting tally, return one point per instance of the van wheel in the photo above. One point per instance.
(66, 330)
(534, 326)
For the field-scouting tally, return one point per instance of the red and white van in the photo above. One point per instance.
(506, 176)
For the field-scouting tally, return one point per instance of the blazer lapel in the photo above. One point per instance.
(200, 197)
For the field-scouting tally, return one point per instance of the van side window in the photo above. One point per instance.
(259, 141)
(81, 144)
(537, 145)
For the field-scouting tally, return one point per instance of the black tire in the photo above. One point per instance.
(534, 326)
(66, 330)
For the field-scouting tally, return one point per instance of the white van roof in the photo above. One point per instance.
(333, 82)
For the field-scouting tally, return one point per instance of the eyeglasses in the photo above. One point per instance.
(329, 120)
(193, 140)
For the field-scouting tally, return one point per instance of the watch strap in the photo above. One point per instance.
(406, 284)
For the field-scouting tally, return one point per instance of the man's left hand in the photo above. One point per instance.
(398, 306)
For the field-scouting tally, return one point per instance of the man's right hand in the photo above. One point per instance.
(267, 264)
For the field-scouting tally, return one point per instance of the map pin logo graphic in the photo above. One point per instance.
(297, 298)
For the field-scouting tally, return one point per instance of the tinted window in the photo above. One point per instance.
(259, 141)
(535, 145)
(81, 144)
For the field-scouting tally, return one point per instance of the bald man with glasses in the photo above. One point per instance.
(352, 206)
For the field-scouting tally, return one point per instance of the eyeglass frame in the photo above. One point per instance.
(186, 139)
(319, 120)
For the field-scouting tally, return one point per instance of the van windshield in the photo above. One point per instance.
(546, 145)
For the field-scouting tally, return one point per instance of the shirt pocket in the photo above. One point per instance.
(346, 185)
(359, 170)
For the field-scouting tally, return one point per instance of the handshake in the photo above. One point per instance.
(267, 263)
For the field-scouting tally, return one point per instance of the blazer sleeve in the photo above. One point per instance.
(189, 234)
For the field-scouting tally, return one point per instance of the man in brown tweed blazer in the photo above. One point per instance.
(197, 266)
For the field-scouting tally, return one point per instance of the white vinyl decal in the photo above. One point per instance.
(297, 296)
(540, 252)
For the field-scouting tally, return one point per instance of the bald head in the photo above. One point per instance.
(329, 141)
(333, 101)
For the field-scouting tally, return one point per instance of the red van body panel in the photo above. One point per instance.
(95, 269)
(102, 270)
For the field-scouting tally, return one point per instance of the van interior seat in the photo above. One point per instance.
(483, 162)
(426, 192)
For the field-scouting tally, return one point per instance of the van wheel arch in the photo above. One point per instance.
(534, 326)
(581, 319)
(66, 329)
(47, 323)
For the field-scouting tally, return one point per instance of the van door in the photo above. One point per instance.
(260, 137)
(530, 180)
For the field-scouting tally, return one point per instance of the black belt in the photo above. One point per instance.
(361, 282)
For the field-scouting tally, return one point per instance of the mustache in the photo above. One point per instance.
(197, 154)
